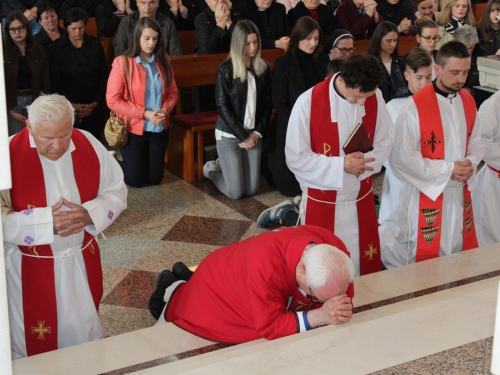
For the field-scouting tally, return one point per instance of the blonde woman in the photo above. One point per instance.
(455, 14)
(243, 99)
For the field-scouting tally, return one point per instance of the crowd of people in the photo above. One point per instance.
(339, 119)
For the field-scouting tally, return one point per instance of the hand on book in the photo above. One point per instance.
(355, 163)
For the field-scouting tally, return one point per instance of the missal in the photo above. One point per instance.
(357, 141)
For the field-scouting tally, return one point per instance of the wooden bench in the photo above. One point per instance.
(189, 132)
(478, 10)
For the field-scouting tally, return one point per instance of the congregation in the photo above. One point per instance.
(318, 123)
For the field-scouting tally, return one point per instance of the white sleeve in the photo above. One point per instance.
(489, 116)
(311, 169)
(383, 140)
(111, 200)
(28, 227)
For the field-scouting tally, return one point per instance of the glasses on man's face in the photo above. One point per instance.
(15, 30)
(344, 51)
(311, 297)
(428, 39)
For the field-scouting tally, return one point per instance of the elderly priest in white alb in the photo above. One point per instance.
(67, 188)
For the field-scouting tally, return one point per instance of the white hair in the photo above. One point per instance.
(50, 108)
(325, 263)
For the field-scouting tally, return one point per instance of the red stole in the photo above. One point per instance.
(38, 283)
(323, 130)
(430, 212)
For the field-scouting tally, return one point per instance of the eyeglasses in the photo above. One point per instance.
(343, 51)
(14, 30)
(311, 297)
(428, 39)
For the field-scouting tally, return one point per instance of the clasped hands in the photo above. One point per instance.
(335, 311)
(405, 26)
(222, 14)
(84, 110)
(462, 170)
(156, 117)
(356, 163)
(250, 142)
(72, 221)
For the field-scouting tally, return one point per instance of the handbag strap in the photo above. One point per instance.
(127, 81)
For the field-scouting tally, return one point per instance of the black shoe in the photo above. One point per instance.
(157, 302)
(181, 271)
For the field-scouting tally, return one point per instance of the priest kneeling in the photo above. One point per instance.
(269, 286)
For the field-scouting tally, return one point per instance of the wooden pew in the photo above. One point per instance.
(478, 10)
(189, 132)
(188, 41)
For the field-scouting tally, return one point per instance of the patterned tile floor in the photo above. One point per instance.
(175, 221)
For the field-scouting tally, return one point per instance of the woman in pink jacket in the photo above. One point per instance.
(153, 95)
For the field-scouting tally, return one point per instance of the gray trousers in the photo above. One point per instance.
(240, 173)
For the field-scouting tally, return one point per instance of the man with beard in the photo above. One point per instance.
(436, 152)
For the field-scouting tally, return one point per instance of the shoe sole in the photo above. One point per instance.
(288, 202)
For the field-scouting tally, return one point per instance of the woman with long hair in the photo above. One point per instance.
(427, 38)
(455, 13)
(243, 99)
(488, 28)
(145, 73)
(384, 46)
(301, 68)
(26, 70)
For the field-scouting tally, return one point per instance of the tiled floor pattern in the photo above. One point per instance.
(470, 359)
(175, 221)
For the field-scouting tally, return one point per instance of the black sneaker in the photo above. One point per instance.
(181, 271)
(272, 216)
(156, 301)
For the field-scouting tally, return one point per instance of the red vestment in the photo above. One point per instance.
(241, 292)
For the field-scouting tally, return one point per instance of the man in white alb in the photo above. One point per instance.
(66, 189)
(486, 196)
(437, 149)
(337, 188)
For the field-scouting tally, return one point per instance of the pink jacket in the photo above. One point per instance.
(116, 93)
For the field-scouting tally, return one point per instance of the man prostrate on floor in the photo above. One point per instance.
(438, 147)
(269, 286)
(66, 189)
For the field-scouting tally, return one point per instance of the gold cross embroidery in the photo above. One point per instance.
(371, 250)
(41, 330)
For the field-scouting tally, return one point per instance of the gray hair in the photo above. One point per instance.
(325, 263)
(50, 108)
(467, 35)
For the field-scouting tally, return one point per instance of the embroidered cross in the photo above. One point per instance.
(41, 330)
(111, 215)
(432, 142)
(371, 251)
(29, 240)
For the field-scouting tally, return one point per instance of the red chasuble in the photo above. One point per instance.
(432, 146)
(38, 283)
(321, 203)
(241, 292)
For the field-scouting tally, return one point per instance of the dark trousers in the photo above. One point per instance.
(94, 123)
(143, 158)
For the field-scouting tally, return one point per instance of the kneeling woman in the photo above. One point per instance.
(243, 99)
(152, 95)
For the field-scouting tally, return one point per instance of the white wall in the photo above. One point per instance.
(5, 183)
